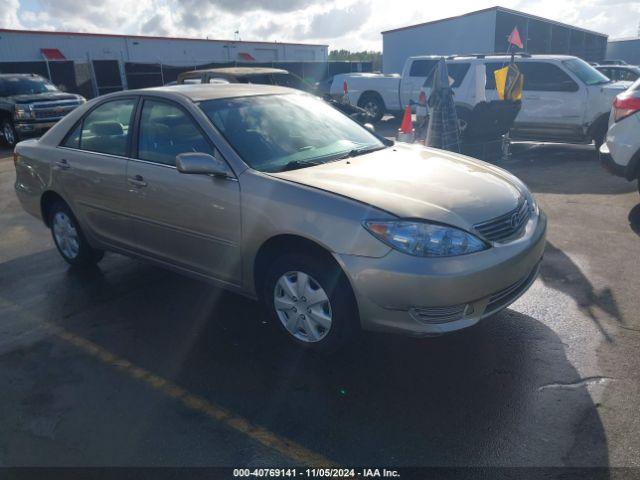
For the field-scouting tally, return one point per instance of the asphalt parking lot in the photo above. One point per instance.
(128, 364)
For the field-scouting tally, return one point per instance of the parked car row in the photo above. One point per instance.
(564, 98)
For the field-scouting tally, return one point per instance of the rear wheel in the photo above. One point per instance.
(9, 133)
(311, 302)
(374, 106)
(69, 239)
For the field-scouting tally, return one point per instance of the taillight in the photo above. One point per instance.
(15, 158)
(345, 89)
(625, 105)
(422, 98)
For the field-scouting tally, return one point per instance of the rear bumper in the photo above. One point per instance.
(607, 162)
(426, 297)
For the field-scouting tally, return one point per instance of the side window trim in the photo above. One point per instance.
(71, 132)
(88, 112)
(135, 140)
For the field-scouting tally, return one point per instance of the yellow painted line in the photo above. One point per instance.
(294, 451)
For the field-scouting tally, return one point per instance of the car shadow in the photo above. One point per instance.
(495, 394)
(552, 168)
(559, 272)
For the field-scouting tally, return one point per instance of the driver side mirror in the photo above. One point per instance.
(203, 164)
(370, 127)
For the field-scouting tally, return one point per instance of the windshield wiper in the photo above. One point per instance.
(360, 151)
(295, 164)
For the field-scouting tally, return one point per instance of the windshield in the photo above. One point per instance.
(585, 72)
(280, 132)
(25, 85)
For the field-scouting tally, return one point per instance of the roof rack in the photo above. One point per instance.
(483, 55)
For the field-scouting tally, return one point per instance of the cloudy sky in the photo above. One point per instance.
(349, 24)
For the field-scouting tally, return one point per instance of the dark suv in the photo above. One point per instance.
(30, 105)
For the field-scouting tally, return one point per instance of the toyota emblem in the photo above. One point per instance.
(515, 219)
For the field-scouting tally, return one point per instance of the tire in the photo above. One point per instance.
(302, 311)
(600, 132)
(69, 239)
(9, 133)
(373, 104)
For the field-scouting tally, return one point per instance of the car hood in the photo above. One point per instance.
(43, 97)
(411, 181)
(618, 86)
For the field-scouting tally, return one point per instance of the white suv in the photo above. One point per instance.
(620, 154)
(564, 98)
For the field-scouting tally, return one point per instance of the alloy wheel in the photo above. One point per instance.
(7, 132)
(371, 107)
(66, 235)
(302, 306)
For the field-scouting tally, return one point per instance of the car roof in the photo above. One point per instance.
(239, 71)
(621, 67)
(201, 92)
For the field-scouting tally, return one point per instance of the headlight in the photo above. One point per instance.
(424, 239)
(23, 112)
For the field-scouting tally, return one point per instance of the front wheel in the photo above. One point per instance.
(69, 239)
(373, 105)
(9, 133)
(311, 302)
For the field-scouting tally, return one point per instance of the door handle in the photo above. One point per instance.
(137, 181)
(62, 164)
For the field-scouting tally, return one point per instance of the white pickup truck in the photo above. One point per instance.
(564, 98)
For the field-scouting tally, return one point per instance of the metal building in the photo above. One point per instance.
(627, 49)
(486, 31)
(95, 63)
(27, 45)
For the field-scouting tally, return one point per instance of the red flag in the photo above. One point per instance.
(514, 38)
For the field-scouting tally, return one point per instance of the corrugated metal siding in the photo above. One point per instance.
(25, 46)
(627, 50)
(461, 35)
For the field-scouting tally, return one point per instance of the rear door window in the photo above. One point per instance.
(166, 130)
(106, 128)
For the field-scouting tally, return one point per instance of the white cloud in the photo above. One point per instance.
(350, 24)
(9, 14)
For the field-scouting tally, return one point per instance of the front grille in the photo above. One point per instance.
(501, 299)
(48, 110)
(507, 225)
(438, 314)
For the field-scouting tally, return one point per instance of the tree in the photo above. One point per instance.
(365, 56)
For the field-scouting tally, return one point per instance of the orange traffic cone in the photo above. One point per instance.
(406, 133)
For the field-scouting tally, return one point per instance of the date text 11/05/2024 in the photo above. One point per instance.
(315, 473)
